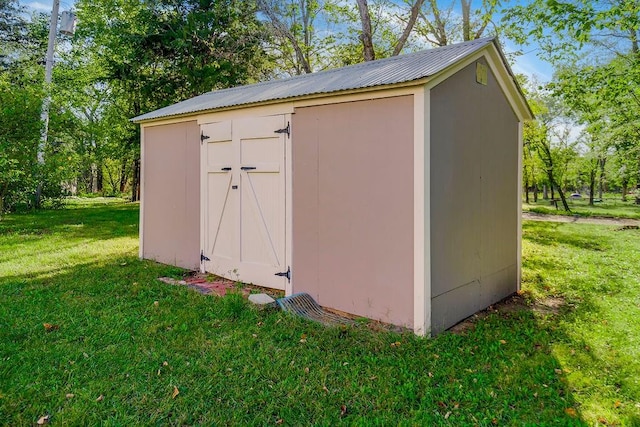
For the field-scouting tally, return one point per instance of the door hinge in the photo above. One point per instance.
(203, 257)
(286, 274)
(286, 130)
(203, 137)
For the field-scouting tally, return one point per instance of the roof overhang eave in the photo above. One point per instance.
(417, 82)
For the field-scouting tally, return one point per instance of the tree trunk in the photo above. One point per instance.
(564, 200)
(415, 10)
(99, 178)
(592, 185)
(124, 176)
(367, 35)
(91, 187)
(552, 183)
(466, 20)
(285, 32)
(601, 162)
(625, 189)
(135, 184)
(535, 193)
(545, 192)
(526, 186)
(638, 185)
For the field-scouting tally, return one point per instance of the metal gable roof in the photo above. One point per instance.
(382, 72)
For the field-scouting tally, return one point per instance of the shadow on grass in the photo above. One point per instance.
(123, 335)
(118, 326)
(549, 234)
(96, 222)
(592, 269)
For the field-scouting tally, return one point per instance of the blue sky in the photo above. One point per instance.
(528, 63)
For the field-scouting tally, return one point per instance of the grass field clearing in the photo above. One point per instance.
(123, 348)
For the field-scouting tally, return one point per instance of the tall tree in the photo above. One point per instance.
(303, 33)
(595, 46)
(445, 22)
(366, 34)
(20, 103)
(157, 52)
(549, 136)
(22, 45)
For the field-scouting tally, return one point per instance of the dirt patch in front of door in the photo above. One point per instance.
(210, 284)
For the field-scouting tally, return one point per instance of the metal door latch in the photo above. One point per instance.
(203, 257)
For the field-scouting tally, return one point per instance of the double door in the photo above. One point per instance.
(244, 200)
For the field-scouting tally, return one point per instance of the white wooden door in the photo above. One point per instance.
(244, 200)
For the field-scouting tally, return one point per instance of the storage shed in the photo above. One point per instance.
(388, 189)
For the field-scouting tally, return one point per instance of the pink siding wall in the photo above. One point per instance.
(171, 194)
(353, 207)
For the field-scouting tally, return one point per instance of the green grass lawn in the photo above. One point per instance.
(611, 206)
(123, 343)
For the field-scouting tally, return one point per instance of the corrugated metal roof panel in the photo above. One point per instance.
(397, 69)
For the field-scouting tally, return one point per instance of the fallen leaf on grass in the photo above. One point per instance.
(571, 412)
(324, 387)
(100, 398)
(303, 338)
(558, 371)
(503, 342)
(617, 404)
(279, 421)
(395, 344)
(175, 392)
(156, 303)
(50, 327)
(43, 420)
(447, 415)
(69, 395)
(343, 410)
(603, 420)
